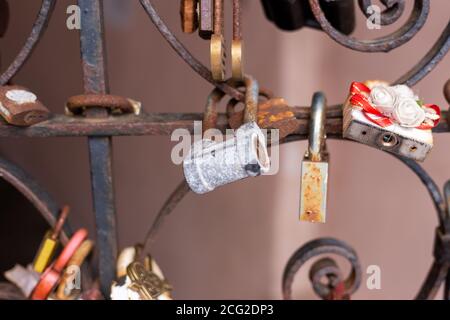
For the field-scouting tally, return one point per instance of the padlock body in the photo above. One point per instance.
(412, 143)
(25, 111)
(313, 194)
(45, 253)
(211, 164)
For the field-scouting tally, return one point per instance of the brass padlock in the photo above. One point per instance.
(139, 280)
(313, 195)
(147, 283)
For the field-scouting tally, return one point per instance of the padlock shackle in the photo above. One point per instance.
(211, 114)
(251, 99)
(317, 120)
(251, 103)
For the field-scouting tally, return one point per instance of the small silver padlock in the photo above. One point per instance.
(314, 185)
(211, 164)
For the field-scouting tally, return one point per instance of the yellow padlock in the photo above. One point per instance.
(50, 243)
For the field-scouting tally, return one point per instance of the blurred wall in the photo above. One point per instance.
(234, 243)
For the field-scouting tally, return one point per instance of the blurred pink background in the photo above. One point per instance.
(234, 242)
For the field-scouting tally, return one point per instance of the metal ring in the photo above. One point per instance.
(115, 104)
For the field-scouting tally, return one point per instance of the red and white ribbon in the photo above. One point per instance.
(359, 97)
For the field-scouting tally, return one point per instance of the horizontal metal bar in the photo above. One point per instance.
(154, 124)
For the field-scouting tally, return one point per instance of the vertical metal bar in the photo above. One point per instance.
(93, 57)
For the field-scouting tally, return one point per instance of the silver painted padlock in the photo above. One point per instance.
(211, 164)
(314, 185)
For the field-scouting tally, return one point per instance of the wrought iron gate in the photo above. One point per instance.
(106, 126)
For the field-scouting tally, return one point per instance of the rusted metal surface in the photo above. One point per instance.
(189, 16)
(313, 195)
(100, 148)
(272, 114)
(315, 249)
(314, 174)
(77, 105)
(163, 124)
(36, 34)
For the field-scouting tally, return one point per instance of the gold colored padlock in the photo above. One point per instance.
(314, 185)
(146, 282)
(217, 45)
(139, 280)
(50, 243)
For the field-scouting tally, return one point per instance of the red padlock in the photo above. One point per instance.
(52, 274)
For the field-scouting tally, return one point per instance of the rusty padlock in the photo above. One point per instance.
(20, 107)
(314, 185)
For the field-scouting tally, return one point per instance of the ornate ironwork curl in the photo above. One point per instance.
(314, 249)
(37, 31)
(383, 44)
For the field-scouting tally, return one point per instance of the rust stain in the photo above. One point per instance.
(312, 195)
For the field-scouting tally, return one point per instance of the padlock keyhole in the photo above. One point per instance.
(388, 140)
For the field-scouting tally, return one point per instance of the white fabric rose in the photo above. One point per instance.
(408, 113)
(383, 98)
(403, 91)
